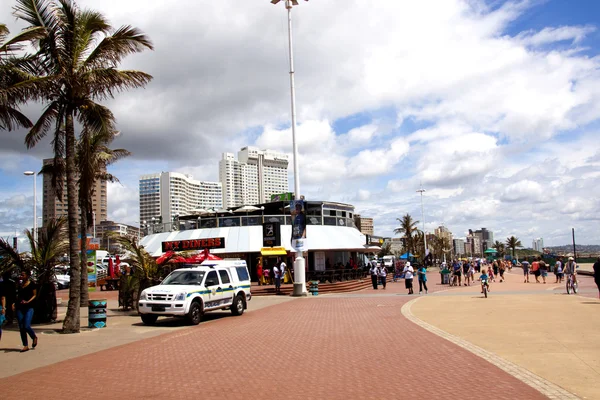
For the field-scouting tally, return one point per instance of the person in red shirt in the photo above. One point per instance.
(535, 268)
(259, 271)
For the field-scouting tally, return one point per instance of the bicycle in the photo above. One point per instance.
(571, 285)
(484, 287)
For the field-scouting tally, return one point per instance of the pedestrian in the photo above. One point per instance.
(422, 275)
(597, 274)
(495, 267)
(277, 278)
(259, 271)
(490, 273)
(26, 294)
(383, 275)
(456, 269)
(525, 266)
(535, 268)
(282, 270)
(374, 273)
(465, 271)
(501, 269)
(408, 277)
(543, 269)
(9, 288)
(558, 271)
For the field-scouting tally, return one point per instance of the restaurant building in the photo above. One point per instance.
(264, 231)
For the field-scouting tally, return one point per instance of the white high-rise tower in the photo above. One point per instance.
(253, 177)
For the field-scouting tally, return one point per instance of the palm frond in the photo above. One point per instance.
(43, 124)
(112, 49)
(15, 44)
(104, 83)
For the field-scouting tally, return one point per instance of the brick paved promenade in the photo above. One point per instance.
(339, 347)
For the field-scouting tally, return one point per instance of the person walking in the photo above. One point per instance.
(501, 270)
(282, 270)
(383, 275)
(525, 266)
(26, 294)
(558, 271)
(495, 267)
(374, 273)
(543, 269)
(259, 271)
(9, 288)
(422, 275)
(535, 268)
(597, 274)
(277, 278)
(408, 277)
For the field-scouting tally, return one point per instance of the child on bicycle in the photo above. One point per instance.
(490, 274)
(485, 280)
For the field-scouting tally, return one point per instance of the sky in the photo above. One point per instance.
(492, 107)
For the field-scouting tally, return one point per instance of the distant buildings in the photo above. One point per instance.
(253, 177)
(538, 244)
(363, 224)
(459, 247)
(486, 239)
(104, 227)
(54, 207)
(167, 195)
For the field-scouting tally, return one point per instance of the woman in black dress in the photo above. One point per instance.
(26, 294)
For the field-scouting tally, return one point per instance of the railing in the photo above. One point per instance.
(244, 220)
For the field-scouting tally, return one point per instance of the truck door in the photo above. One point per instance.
(214, 288)
(227, 286)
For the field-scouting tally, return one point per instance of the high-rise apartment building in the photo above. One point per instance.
(363, 224)
(486, 238)
(538, 244)
(54, 207)
(166, 195)
(253, 177)
(443, 232)
(459, 247)
(473, 244)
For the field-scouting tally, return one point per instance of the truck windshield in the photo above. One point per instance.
(184, 278)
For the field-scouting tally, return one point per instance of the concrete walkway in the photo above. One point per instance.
(545, 331)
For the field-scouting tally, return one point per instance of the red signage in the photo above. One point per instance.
(193, 244)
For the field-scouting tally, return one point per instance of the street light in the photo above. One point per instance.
(30, 173)
(94, 222)
(299, 281)
(423, 218)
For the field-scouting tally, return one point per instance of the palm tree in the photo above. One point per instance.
(499, 246)
(45, 253)
(408, 227)
(512, 243)
(75, 66)
(93, 156)
(146, 271)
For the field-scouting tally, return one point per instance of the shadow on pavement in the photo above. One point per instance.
(172, 322)
(11, 350)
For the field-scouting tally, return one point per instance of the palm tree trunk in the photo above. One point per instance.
(71, 322)
(84, 295)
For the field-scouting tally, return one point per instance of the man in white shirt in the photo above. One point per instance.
(282, 269)
(374, 271)
(408, 277)
(277, 279)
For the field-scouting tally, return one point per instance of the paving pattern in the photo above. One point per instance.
(325, 347)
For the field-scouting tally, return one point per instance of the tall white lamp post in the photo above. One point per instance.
(299, 264)
(30, 173)
(423, 218)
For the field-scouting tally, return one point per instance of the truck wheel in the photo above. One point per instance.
(149, 319)
(237, 308)
(195, 313)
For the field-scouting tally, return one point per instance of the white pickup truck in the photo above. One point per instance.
(190, 292)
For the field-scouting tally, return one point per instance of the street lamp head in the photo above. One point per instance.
(28, 173)
(288, 3)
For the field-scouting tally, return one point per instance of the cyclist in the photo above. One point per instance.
(485, 280)
(571, 269)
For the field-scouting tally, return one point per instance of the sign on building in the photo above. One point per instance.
(194, 244)
(282, 197)
(271, 236)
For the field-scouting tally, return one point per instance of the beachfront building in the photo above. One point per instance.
(253, 177)
(332, 238)
(166, 196)
(364, 224)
